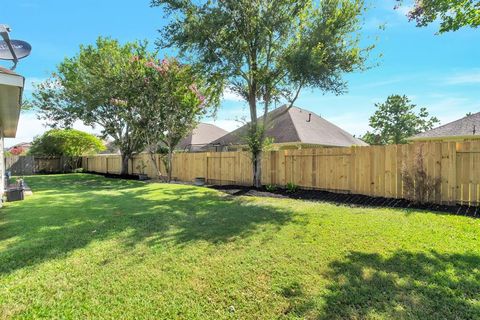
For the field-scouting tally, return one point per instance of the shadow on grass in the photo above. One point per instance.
(405, 285)
(75, 183)
(68, 212)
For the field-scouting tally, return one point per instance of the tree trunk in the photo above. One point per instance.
(125, 158)
(153, 157)
(257, 169)
(252, 102)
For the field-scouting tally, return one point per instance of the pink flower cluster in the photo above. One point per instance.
(161, 67)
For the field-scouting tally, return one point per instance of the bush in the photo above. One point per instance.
(271, 188)
(291, 187)
(418, 185)
(78, 170)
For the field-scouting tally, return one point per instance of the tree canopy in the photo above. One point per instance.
(98, 87)
(395, 120)
(68, 142)
(137, 99)
(452, 14)
(267, 51)
(173, 99)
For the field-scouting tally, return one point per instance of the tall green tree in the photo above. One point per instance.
(452, 14)
(97, 87)
(267, 51)
(173, 99)
(396, 120)
(70, 143)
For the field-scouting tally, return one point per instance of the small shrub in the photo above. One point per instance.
(292, 187)
(271, 188)
(418, 185)
(78, 170)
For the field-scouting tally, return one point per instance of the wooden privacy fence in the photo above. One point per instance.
(373, 171)
(28, 165)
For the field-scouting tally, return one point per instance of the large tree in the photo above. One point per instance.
(173, 99)
(267, 51)
(395, 120)
(452, 14)
(98, 87)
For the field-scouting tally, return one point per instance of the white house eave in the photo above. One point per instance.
(14, 80)
(11, 89)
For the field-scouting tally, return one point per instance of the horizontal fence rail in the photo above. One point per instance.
(373, 171)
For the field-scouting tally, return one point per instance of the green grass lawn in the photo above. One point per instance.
(85, 247)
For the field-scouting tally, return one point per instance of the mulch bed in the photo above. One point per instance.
(116, 176)
(356, 200)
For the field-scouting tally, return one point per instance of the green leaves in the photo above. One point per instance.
(267, 50)
(395, 120)
(452, 14)
(70, 143)
(173, 99)
(269, 46)
(89, 86)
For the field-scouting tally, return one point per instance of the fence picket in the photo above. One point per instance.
(375, 170)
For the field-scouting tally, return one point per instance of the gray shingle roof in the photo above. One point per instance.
(203, 134)
(294, 126)
(467, 126)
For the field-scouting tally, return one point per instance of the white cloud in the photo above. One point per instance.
(231, 96)
(403, 10)
(452, 108)
(29, 127)
(228, 125)
(468, 77)
(352, 122)
(31, 82)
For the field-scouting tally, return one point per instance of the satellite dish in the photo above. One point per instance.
(21, 48)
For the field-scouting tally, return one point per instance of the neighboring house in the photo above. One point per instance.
(11, 90)
(292, 129)
(465, 129)
(110, 148)
(23, 146)
(201, 136)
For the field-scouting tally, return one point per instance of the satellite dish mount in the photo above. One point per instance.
(12, 50)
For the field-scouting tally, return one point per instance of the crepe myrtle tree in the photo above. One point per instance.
(452, 14)
(267, 51)
(99, 87)
(173, 99)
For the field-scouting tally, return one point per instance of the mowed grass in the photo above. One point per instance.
(87, 247)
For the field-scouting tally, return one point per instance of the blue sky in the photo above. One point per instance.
(440, 72)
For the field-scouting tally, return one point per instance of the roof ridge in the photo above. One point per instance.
(294, 125)
(447, 124)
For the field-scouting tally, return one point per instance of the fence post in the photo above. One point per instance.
(351, 163)
(453, 172)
